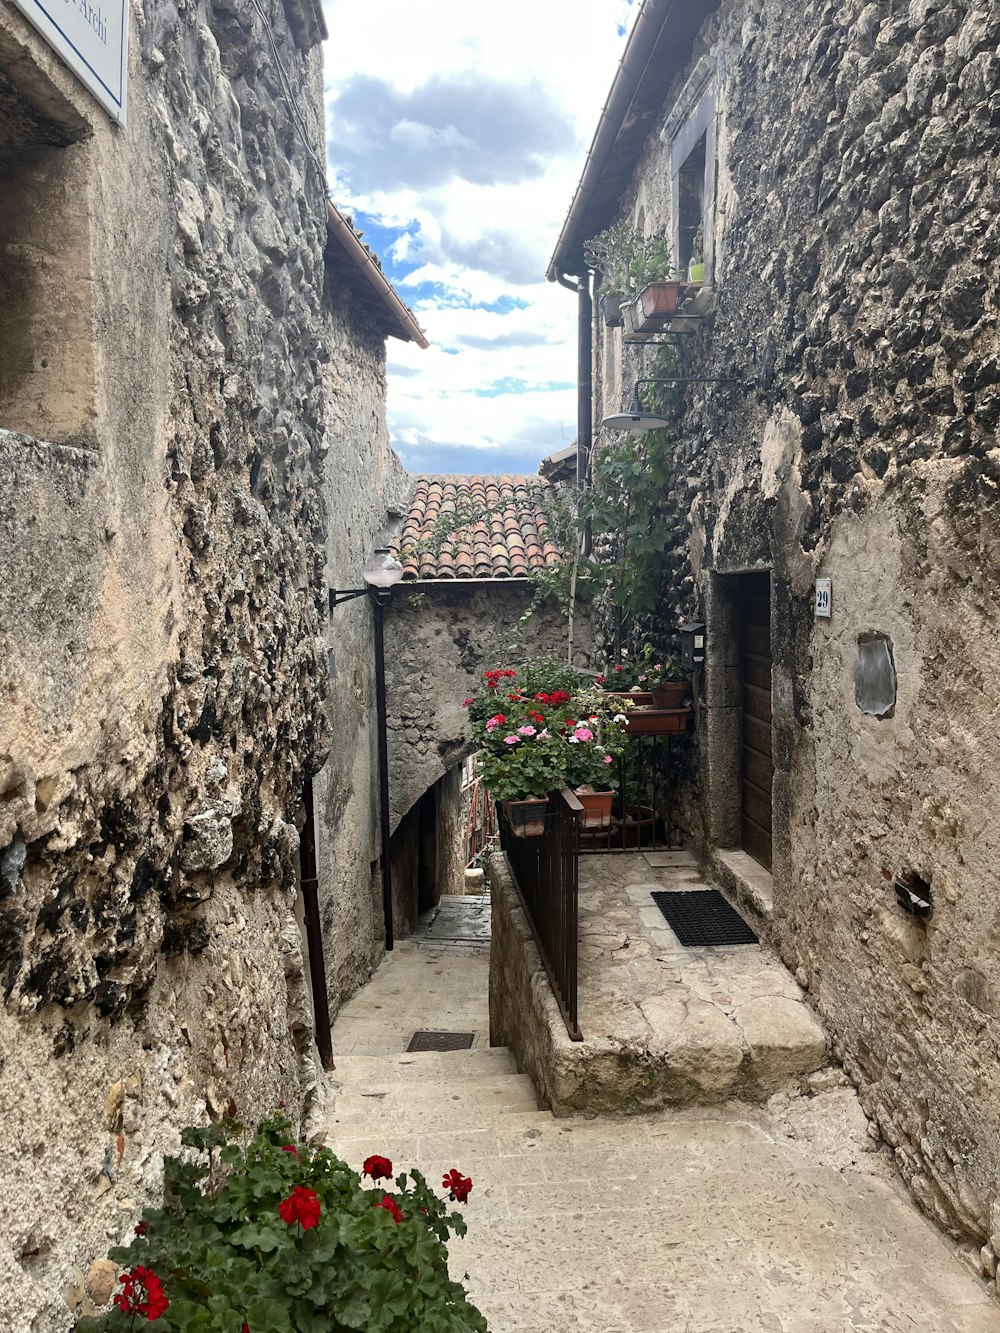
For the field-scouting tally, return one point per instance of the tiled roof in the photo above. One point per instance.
(504, 535)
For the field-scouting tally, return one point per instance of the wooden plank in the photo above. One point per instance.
(757, 768)
(756, 843)
(757, 703)
(757, 735)
(757, 671)
(756, 805)
(757, 639)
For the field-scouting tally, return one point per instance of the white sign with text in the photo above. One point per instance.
(92, 39)
(824, 598)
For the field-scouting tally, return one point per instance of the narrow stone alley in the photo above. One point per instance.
(735, 1218)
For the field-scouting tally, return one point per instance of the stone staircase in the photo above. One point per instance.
(709, 1219)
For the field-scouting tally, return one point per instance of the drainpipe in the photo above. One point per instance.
(584, 377)
(309, 880)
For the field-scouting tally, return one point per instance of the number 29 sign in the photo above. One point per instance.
(824, 599)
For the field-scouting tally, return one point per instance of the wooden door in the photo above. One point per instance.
(756, 768)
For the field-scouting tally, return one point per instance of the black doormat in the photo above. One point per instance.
(441, 1041)
(702, 916)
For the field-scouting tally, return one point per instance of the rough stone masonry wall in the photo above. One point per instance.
(856, 300)
(161, 595)
(364, 481)
(438, 640)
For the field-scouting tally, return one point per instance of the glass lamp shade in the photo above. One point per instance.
(382, 569)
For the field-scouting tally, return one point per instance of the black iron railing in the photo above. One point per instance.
(642, 811)
(544, 865)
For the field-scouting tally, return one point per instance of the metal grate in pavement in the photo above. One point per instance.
(441, 1041)
(702, 916)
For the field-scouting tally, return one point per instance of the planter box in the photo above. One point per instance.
(527, 818)
(639, 830)
(655, 306)
(657, 722)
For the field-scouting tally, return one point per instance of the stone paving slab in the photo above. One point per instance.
(724, 1218)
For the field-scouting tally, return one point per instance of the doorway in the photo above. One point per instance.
(753, 623)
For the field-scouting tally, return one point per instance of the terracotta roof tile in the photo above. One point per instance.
(508, 541)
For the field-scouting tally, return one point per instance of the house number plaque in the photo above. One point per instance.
(824, 599)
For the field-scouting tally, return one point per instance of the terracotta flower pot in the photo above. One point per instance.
(659, 298)
(670, 695)
(596, 808)
(639, 698)
(527, 818)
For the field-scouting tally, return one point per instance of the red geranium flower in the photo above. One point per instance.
(569, 722)
(459, 1187)
(142, 1294)
(290, 1147)
(377, 1168)
(602, 680)
(391, 1207)
(301, 1206)
(466, 703)
(141, 1228)
(510, 672)
(559, 697)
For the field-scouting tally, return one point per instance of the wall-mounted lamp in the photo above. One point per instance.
(638, 419)
(381, 573)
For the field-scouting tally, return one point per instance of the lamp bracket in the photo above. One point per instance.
(338, 596)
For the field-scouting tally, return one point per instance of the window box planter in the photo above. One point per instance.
(527, 818)
(655, 306)
(657, 721)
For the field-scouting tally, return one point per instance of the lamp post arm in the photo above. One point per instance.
(340, 595)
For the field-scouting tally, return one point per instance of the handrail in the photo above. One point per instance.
(544, 862)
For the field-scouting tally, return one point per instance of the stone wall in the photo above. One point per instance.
(162, 593)
(364, 483)
(439, 638)
(856, 246)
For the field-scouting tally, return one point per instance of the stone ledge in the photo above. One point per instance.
(662, 1026)
(747, 882)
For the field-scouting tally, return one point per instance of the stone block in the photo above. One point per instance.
(784, 1038)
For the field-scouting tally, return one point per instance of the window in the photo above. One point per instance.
(47, 355)
(690, 134)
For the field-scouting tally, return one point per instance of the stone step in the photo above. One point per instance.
(426, 1107)
(355, 1071)
(443, 1134)
(397, 1092)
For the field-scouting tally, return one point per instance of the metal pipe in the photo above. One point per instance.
(585, 395)
(380, 597)
(309, 881)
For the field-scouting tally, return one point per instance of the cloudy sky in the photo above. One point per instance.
(457, 130)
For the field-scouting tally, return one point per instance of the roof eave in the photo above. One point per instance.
(400, 318)
(649, 36)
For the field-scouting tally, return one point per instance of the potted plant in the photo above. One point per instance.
(668, 684)
(637, 276)
(535, 740)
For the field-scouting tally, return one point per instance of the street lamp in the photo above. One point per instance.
(638, 419)
(381, 573)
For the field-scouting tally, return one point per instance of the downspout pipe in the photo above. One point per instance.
(309, 880)
(584, 372)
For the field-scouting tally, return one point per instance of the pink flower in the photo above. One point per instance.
(643, 677)
(583, 734)
(526, 731)
(466, 703)
(511, 740)
(543, 735)
(657, 667)
(607, 759)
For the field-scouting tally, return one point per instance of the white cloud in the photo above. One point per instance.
(458, 134)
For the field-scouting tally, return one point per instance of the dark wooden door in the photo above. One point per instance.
(757, 768)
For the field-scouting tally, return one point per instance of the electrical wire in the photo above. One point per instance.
(297, 120)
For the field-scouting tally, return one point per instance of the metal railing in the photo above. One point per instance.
(544, 866)
(642, 811)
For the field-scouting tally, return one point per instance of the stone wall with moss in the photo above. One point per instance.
(162, 528)
(856, 304)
